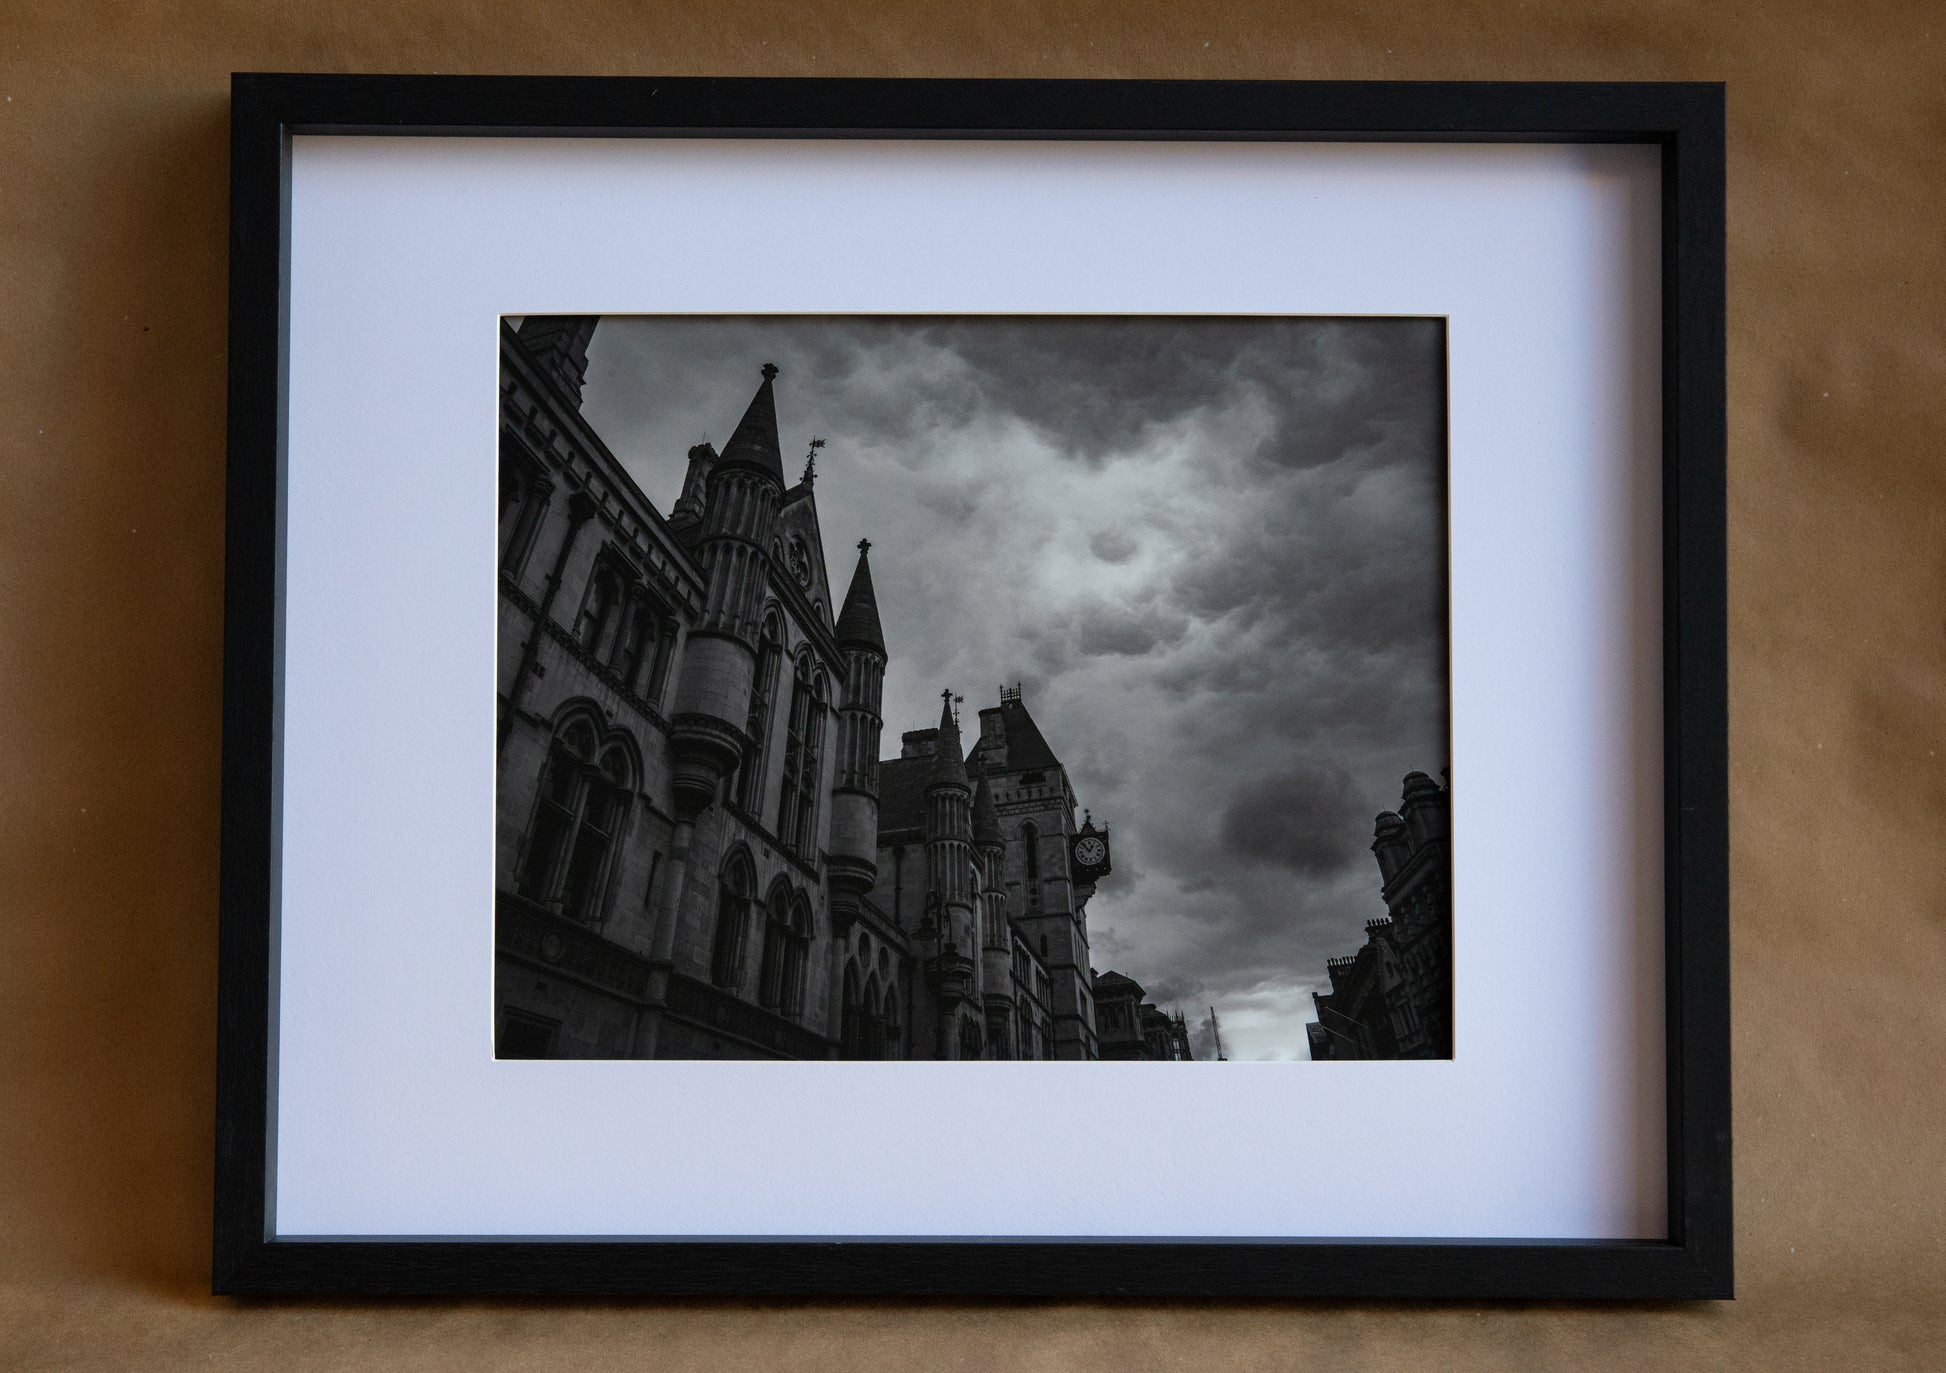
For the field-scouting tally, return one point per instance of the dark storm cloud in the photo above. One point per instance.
(1113, 545)
(1304, 818)
(1107, 629)
(1212, 550)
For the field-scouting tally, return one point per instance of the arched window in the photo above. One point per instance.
(797, 810)
(874, 1018)
(797, 958)
(603, 592)
(890, 1040)
(733, 892)
(868, 1018)
(568, 862)
(1030, 847)
(851, 1016)
(763, 690)
(780, 979)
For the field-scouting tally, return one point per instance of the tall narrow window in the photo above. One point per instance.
(1030, 843)
(523, 497)
(851, 1017)
(797, 958)
(605, 796)
(797, 810)
(787, 947)
(732, 921)
(665, 654)
(637, 643)
(874, 1019)
(577, 822)
(777, 934)
(889, 1038)
(763, 689)
(596, 607)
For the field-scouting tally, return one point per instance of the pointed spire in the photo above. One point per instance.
(986, 819)
(755, 441)
(858, 620)
(948, 764)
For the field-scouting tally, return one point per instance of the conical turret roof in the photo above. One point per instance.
(754, 444)
(858, 621)
(986, 819)
(948, 764)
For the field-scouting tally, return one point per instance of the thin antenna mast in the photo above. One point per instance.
(1216, 1034)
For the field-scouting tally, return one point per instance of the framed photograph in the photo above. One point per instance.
(975, 688)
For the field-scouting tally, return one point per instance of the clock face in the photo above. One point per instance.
(1089, 852)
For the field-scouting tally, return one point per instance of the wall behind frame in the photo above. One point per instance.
(112, 273)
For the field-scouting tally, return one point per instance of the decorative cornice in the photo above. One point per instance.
(553, 943)
(720, 1012)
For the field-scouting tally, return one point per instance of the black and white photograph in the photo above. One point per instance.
(972, 687)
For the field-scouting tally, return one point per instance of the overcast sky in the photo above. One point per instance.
(1212, 551)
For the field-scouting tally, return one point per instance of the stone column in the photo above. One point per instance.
(662, 942)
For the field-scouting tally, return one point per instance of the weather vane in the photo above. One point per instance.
(811, 462)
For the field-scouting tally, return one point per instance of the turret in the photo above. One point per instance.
(949, 864)
(1389, 844)
(742, 489)
(689, 507)
(559, 343)
(854, 811)
(991, 847)
(996, 934)
(1424, 809)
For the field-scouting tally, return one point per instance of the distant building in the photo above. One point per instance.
(1131, 1028)
(1394, 997)
(699, 853)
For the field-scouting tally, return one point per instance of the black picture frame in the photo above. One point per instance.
(1685, 121)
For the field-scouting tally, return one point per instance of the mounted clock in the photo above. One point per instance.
(1088, 852)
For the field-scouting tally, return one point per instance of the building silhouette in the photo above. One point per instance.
(1393, 998)
(699, 853)
(1132, 1028)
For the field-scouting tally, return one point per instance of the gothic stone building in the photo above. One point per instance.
(699, 853)
(1132, 1028)
(1394, 997)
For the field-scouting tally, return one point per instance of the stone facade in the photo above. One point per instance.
(699, 852)
(1394, 997)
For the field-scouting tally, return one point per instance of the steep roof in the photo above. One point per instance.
(858, 621)
(755, 441)
(1115, 983)
(1027, 749)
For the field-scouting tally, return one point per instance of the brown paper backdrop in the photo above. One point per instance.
(112, 278)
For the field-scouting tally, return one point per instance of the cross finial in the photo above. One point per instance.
(769, 370)
(864, 545)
